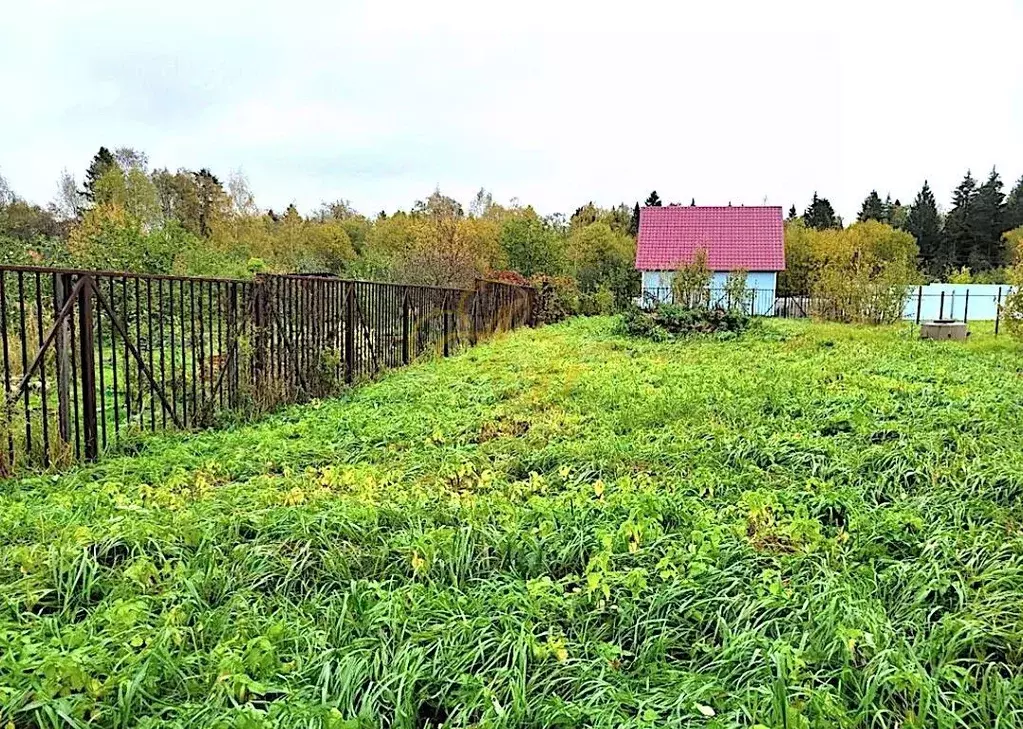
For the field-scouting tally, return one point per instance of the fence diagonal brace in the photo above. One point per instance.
(65, 311)
(142, 365)
(232, 335)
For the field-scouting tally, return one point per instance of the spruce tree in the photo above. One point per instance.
(820, 214)
(872, 208)
(1014, 206)
(959, 240)
(988, 224)
(654, 201)
(103, 161)
(792, 213)
(692, 203)
(924, 224)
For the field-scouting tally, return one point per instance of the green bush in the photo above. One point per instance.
(670, 321)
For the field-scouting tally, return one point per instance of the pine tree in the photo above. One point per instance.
(654, 201)
(820, 214)
(1014, 206)
(872, 208)
(924, 224)
(792, 213)
(101, 163)
(959, 240)
(988, 224)
(692, 203)
(634, 223)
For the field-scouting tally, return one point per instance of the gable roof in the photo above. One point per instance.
(750, 238)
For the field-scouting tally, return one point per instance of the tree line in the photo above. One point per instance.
(975, 240)
(124, 215)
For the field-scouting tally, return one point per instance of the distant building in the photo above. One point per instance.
(746, 238)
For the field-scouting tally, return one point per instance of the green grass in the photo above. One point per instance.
(810, 525)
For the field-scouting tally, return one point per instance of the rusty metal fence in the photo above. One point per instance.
(92, 358)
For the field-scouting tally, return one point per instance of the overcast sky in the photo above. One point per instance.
(555, 103)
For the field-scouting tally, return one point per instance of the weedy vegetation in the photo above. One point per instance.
(807, 526)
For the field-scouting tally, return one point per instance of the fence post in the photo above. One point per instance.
(259, 301)
(966, 308)
(63, 359)
(472, 317)
(998, 310)
(349, 333)
(406, 328)
(447, 314)
(941, 312)
(919, 302)
(86, 341)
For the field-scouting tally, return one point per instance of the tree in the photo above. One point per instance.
(243, 201)
(924, 224)
(601, 257)
(128, 158)
(213, 201)
(6, 193)
(653, 201)
(68, 205)
(792, 213)
(872, 209)
(28, 223)
(634, 223)
(960, 238)
(438, 205)
(584, 215)
(692, 202)
(530, 245)
(820, 215)
(856, 274)
(690, 282)
(988, 224)
(895, 213)
(101, 163)
(1014, 206)
(178, 196)
(481, 204)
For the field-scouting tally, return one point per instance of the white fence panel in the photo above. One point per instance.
(975, 302)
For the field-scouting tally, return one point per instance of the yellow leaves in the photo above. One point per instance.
(418, 563)
(598, 488)
(294, 497)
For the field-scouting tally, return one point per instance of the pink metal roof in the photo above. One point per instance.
(751, 238)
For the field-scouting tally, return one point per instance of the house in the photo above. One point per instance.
(735, 238)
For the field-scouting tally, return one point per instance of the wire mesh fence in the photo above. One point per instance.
(91, 358)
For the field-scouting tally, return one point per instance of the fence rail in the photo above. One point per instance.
(92, 357)
(914, 304)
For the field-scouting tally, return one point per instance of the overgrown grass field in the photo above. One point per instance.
(807, 526)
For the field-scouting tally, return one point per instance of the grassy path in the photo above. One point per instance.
(810, 526)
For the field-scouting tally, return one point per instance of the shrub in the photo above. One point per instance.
(669, 321)
(556, 298)
(691, 282)
(736, 294)
(1012, 308)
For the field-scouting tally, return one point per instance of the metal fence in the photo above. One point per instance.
(91, 358)
(915, 304)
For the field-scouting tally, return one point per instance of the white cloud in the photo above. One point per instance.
(556, 103)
